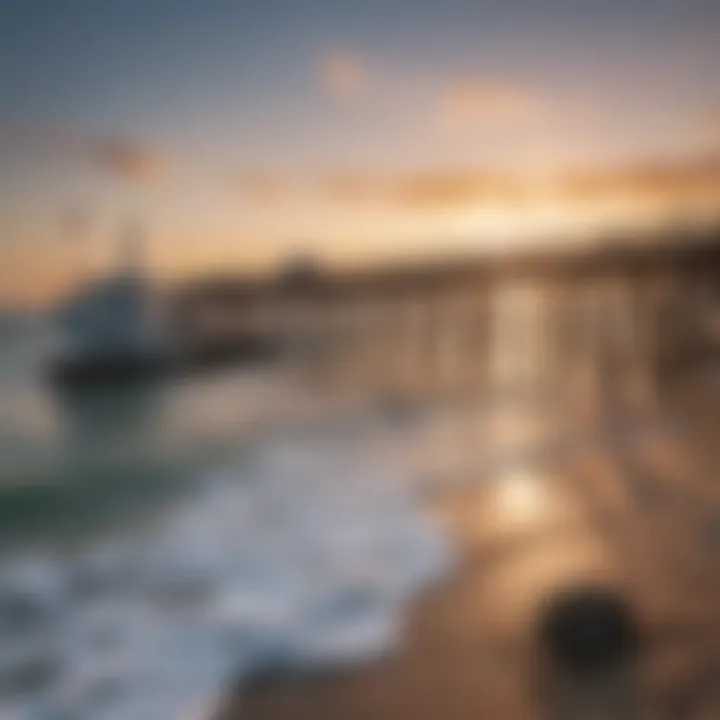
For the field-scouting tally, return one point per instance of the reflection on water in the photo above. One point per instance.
(122, 413)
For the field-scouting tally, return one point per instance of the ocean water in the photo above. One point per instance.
(162, 543)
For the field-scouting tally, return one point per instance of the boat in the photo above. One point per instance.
(116, 329)
(112, 329)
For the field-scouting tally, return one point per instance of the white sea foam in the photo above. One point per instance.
(306, 556)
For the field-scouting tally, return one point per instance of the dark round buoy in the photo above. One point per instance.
(589, 630)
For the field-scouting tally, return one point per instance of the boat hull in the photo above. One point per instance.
(76, 372)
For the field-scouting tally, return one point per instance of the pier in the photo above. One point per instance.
(619, 314)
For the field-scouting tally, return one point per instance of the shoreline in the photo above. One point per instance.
(470, 648)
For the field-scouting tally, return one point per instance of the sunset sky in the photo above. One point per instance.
(360, 130)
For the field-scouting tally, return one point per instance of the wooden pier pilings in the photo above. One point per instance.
(631, 315)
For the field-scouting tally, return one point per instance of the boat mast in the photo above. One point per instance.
(130, 260)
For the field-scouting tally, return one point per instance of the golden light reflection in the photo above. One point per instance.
(522, 496)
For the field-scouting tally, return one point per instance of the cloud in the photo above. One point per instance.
(428, 189)
(128, 159)
(343, 75)
(131, 160)
(476, 101)
(441, 189)
(658, 181)
(262, 186)
(451, 188)
(355, 187)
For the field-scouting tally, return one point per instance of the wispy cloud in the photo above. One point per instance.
(428, 189)
(128, 159)
(706, 129)
(476, 101)
(262, 186)
(343, 75)
(440, 189)
(659, 181)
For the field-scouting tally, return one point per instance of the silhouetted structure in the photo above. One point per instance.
(647, 310)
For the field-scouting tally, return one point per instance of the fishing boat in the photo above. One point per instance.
(112, 329)
(118, 329)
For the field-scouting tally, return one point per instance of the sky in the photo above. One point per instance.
(240, 133)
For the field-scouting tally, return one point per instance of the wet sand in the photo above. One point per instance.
(637, 510)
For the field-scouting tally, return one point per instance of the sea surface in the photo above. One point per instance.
(161, 543)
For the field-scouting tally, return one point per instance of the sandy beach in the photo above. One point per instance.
(630, 510)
